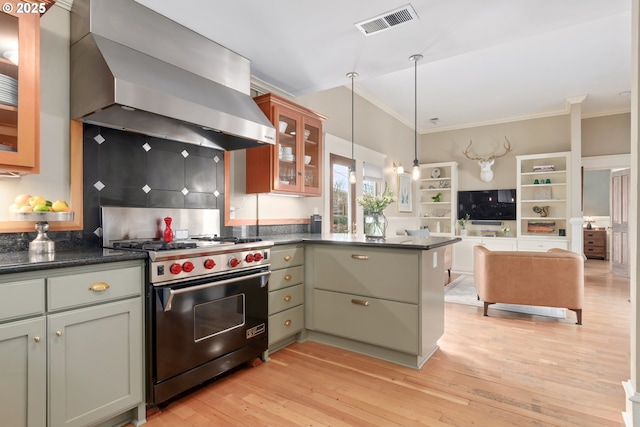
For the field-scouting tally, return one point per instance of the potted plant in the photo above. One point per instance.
(463, 223)
(375, 223)
(505, 230)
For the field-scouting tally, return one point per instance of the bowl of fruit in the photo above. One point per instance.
(36, 208)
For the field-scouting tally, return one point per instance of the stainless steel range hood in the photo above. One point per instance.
(136, 70)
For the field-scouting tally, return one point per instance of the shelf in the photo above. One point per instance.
(444, 178)
(545, 201)
(434, 203)
(544, 218)
(544, 173)
(435, 217)
(435, 189)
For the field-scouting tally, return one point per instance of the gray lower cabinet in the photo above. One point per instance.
(384, 302)
(79, 360)
(286, 295)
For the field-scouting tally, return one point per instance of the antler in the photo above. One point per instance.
(507, 148)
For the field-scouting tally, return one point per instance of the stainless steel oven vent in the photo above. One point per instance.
(387, 20)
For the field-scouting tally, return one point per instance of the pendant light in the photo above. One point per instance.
(415, 173)
(352, 169)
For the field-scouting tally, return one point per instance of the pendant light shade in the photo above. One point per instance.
(415, 172)
(352, 170)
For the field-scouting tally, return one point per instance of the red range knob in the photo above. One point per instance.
(257, 256)
(249, 258)
(233, 262)
(209, 263)
(175, 268)
(188, 266)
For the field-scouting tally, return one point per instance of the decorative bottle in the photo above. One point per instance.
(168, 232)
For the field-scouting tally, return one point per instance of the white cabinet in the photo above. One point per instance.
(463, 250)
(544, 195)
(77, 358)
(437, 197)
(538, 245)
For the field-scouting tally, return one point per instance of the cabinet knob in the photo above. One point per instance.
(99, 287)
(287, 257)
(287, 277)
(287, 322)
(287, 298)
(36, 339)
(58, 333)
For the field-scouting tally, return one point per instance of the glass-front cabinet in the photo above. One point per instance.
(294, 164)
(19, 88)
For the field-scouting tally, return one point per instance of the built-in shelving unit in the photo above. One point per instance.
(543, 195)
(438, 216)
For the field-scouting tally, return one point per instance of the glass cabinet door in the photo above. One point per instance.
(19, 89)
(312, 158)
(287, 170)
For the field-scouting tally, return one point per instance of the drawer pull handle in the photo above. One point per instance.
(287, 298)
(58, 333)
(287, 322)
(287, 277)
(99, 287)
(360, 302)
(287, 257)
(37, 339)
(360, 257)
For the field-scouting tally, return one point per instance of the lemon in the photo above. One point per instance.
(59, 206)
(37, 201)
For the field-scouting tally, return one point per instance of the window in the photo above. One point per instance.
(342, 199)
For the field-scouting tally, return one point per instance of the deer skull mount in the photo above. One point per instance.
(486, 174)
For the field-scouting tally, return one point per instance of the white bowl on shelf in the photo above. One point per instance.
(307, 133)
(307, 160)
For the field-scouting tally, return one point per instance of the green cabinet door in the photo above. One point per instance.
(95, 362)
(23, 362)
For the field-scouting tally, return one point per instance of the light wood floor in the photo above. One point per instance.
(507, 369)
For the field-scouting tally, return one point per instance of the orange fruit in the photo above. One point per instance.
(22, 200)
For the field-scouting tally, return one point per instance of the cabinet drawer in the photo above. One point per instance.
(283, 299)
(286, 277)
(285, 323)
(374, 321)
(75, 290)
(541, 246)
(286, 256)
(363, 271)
(21, 299)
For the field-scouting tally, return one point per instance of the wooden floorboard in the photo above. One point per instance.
(507, 369)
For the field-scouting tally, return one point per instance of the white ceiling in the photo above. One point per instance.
(484, 62)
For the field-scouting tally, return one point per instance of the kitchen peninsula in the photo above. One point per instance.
(383, 298)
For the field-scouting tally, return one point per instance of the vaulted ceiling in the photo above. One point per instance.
(484, 61)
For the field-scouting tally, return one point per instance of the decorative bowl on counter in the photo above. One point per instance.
(42, 244)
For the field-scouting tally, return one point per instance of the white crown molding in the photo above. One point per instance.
(65, 4)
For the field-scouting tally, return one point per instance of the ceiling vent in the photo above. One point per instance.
(387, 20)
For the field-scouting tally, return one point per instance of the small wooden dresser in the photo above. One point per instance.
(595, 243)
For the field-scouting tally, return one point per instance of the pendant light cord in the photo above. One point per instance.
(415, 111)
(353, 75)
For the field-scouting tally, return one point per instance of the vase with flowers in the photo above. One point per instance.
(375, 223)
(505, 230)
(463, 224)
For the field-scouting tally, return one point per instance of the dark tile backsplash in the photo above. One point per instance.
(132, 170)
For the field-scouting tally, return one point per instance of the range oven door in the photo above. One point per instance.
(198, 322)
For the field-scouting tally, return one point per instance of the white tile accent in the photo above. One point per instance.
(216, 159)
(185, 153)
(146, 147)
(99, 185)
(185, 191)
(216, 193)
(146, 188)
(99, 139)
(98, 231)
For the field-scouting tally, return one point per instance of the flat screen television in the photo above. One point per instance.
(497, 205)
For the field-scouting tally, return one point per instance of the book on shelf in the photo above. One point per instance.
(488, 233)
(544, 168)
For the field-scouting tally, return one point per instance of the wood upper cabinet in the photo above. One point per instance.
(20, 91)
(294, 164)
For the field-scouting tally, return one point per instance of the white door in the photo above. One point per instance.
(620, 222)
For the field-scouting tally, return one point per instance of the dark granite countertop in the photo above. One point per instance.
(17, 262)
(399, 242)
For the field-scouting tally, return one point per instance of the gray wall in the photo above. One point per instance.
(596, 192)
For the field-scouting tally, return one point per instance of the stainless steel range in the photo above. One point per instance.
(207, 296)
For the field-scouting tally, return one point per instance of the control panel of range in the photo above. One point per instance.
(183, 268)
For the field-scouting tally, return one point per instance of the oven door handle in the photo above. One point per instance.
(173, 292)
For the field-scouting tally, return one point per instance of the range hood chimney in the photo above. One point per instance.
(136, 70)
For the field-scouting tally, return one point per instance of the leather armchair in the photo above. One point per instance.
(551, 279)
